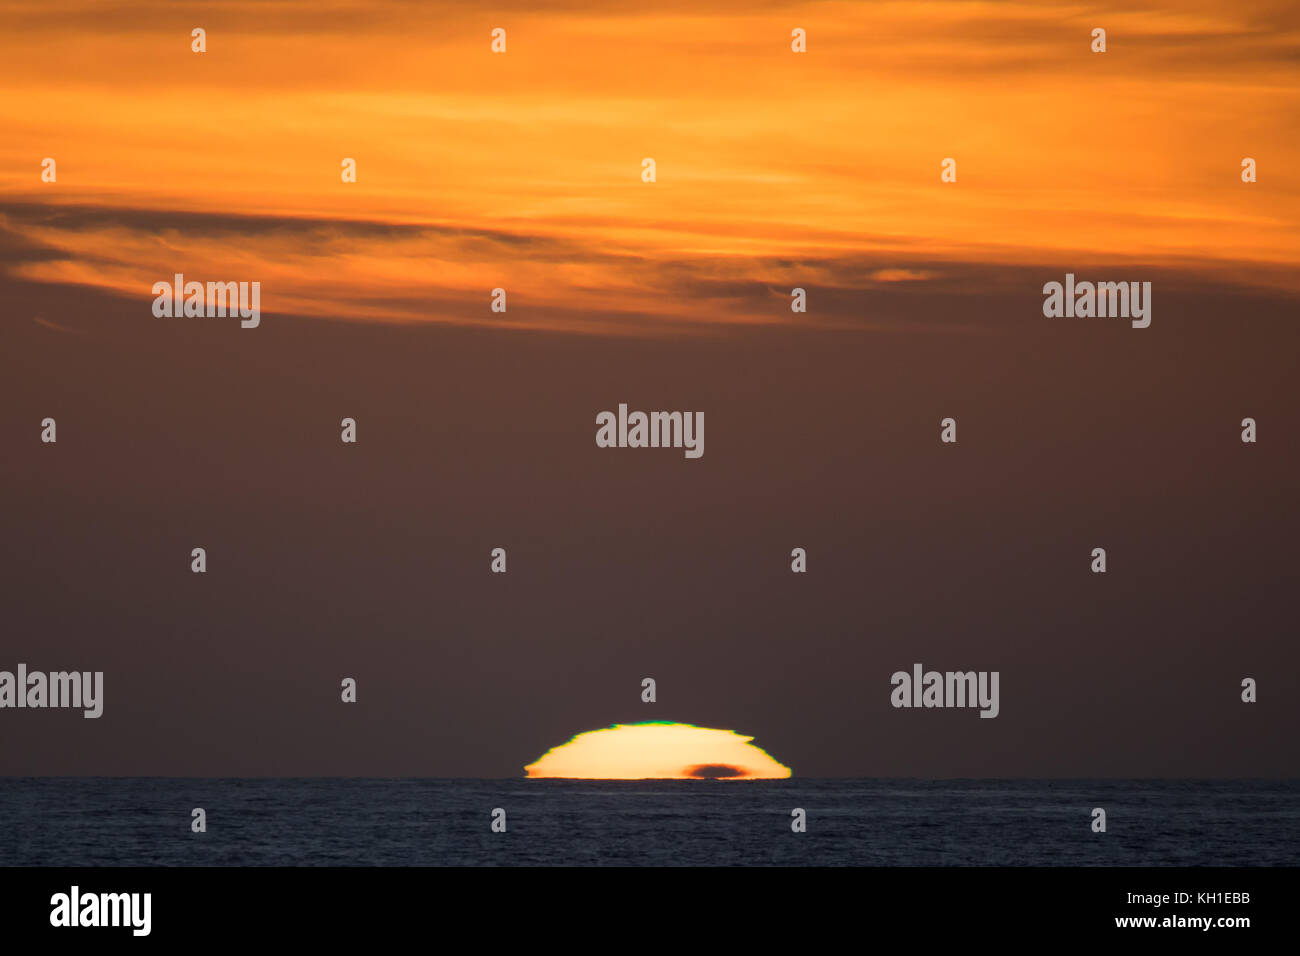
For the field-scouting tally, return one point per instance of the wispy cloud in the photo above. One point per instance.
(521, 171)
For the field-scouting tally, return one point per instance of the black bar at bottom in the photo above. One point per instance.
(565, 904)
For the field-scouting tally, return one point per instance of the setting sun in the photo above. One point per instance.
(658, 750)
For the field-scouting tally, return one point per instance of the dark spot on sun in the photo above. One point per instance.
(713, 771)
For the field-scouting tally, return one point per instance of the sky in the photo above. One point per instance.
(775, 170)
(772, 168)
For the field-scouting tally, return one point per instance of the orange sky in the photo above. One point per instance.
(522, 170)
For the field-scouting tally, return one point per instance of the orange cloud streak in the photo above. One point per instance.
(762, 154)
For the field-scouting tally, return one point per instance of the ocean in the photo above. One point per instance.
(111, 821)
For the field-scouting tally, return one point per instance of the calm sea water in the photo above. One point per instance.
(332, 821)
